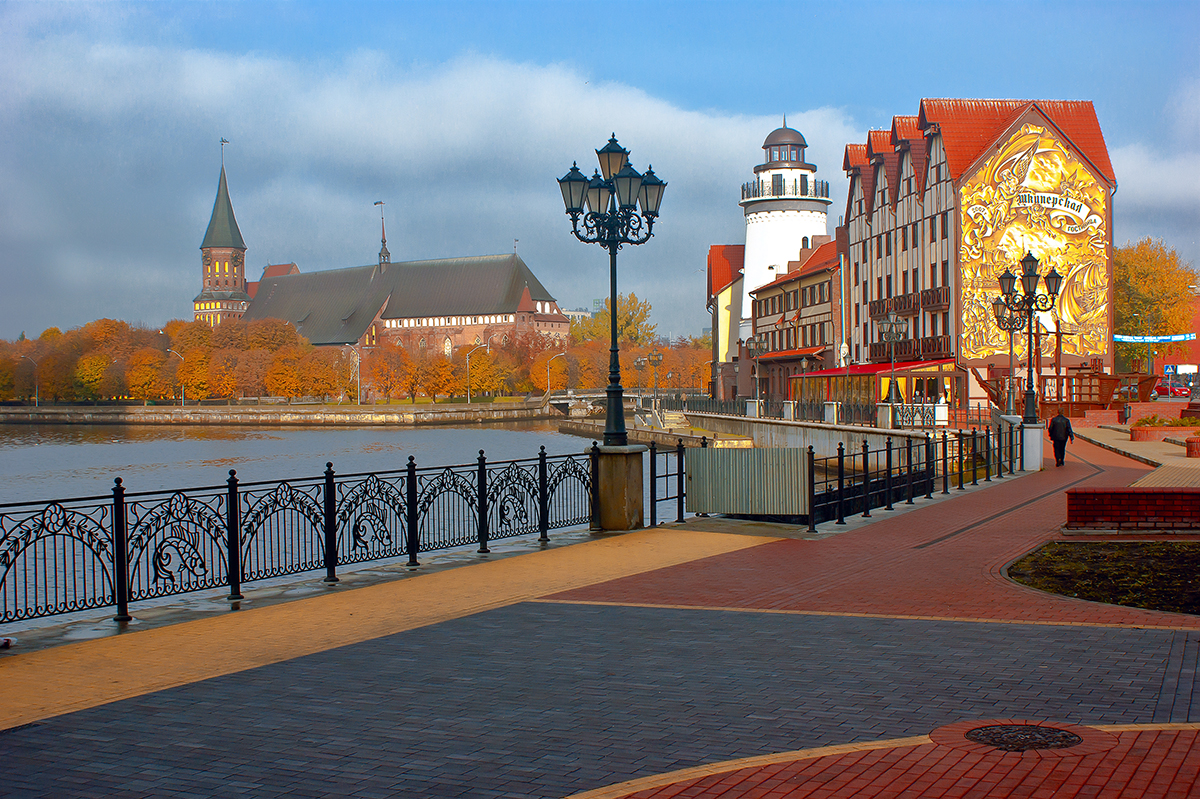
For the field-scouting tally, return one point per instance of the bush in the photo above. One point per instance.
(1154, 420)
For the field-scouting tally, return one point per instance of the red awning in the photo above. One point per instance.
(800, 353)
(875, 368)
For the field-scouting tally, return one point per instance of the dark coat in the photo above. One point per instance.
(1060, 429)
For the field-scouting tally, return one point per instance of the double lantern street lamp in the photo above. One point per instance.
(1010, 323)
(1025, 306)
(640, 365)
(894, 328)
(606, 208)
(655, 359)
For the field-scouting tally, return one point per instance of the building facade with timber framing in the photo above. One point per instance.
(946, 200)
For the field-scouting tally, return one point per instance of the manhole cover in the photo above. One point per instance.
(1023, 737)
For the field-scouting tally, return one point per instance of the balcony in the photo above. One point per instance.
(935, 299)
(763, 190)
(906, 350)
(907, 304)
(937, 347)
(877, 309)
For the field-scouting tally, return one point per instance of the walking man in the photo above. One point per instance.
(1060, 431)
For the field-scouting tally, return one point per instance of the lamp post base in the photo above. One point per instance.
(620, 488)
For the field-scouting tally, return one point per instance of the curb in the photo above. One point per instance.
(1111, 448)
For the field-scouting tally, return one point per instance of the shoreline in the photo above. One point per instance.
(283, 415)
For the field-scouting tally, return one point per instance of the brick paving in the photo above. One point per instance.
(842, 666)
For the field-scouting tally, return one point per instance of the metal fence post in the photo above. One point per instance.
(1021, 448)
(960, 460)
(999, 451)
(653, 484)
(233, 539)
(594, 522)
(929, 467)
(987, 454)
(841, 519)
(974, 457)
(481, 488)
(945, 463)
(543, 498)
(812, 491)
(413, 537)
(887, 478)
(866, 479)
(679, 480)
(330, 526)
(908, 464)
(120, 554)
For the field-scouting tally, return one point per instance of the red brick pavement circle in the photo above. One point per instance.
(1143, 763)
(1094, 740)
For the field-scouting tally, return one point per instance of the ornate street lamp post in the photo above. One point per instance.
(655, 358)
(607, 206)
(640, 365)
(894, 328)
(1010, 322)
(754, 345)
(1026, 305)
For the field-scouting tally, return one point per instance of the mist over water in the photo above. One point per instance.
(60, 461)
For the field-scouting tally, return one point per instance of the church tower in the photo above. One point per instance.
(223, 264)
(785, 207)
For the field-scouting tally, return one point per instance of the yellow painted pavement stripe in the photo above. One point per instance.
(696, 772)
(80, 675)
(623, 789)
(907, 617)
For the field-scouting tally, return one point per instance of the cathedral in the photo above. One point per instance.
(432, 306)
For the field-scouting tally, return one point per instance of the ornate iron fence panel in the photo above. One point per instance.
(371, 517)
(810, 411)
(447, 507)
(176, 542)
(512, 494)
(568, 490)
(915, 415)
(55, 558)
(855, 413)
(281, 529)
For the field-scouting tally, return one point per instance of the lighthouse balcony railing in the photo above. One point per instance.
(761, 189)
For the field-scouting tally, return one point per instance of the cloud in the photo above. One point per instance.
(109, 178)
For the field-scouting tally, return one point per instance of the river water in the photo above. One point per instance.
(46, 462)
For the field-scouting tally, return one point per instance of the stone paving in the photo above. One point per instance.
(676, 662)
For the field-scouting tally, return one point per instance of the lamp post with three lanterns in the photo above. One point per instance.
(604, 211)
(1025, 306)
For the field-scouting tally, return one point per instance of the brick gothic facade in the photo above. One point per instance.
(223, 296)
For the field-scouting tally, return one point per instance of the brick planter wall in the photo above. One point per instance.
(1133, 509)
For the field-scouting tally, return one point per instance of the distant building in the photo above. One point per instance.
(577, 314)
(222, 296)
(435, 305)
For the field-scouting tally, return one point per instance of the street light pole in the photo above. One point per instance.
(640, 365)
(612, 198)
(1027, 304)
(35, 380)
(1009, 322)
(560, 355)
(182, 388)
(655, 357)
(753, 345)
(894, 328)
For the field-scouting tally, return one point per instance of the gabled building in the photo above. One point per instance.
(944, 201)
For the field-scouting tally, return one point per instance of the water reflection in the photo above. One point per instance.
(55, 461)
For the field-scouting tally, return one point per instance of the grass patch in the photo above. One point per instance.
(1141, 574)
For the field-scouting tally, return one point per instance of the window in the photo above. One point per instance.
(889, 285)
(933, 276)
(946, 323)
(879, 246)
(856, 272)
(879, 288)
(903, 239)
(945, 223)
(447, 347)
(421, 344)
(904, 281)
(804, 243)
(945, 273)
(857, 319)
(864, 252)
(889, 243)
(937, 172)
(932, 229)
(777, 185)
(916, 233)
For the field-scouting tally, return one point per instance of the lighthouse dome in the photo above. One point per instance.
(785, 135)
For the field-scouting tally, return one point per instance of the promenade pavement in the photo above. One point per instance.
(701, 660)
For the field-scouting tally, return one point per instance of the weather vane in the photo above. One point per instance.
(224, 141)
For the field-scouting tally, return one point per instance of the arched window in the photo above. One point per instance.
(477, 341)
(447, 347)
(421, 345)
(805, 242)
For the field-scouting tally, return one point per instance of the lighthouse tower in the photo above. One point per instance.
(785, 207)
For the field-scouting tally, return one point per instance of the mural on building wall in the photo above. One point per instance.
(1035, 195)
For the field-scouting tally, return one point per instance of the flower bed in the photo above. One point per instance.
(1147, 433)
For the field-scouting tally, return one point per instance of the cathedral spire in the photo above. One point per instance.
(223, 227)
(385, 257)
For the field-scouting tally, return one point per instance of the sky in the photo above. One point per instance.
(460, 116)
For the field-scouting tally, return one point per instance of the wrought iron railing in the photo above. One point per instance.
(702, 404)
(79, 554)
(671, 467)
(859, 481)
(795, 188)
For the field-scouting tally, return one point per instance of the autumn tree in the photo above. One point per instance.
(283, 375)
(319, 373)
(633, 322)
(386, 366)
(222, 367)
(436, 374)
(272, 335)
(1153, 295)
(144, 374)
(89, 374)
(251, 372)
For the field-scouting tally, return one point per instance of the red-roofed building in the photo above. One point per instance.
(943, 202)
